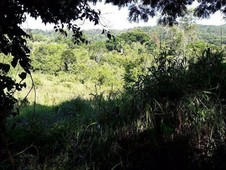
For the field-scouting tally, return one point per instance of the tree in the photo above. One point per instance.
(49, 58)
(68, 58)
(62, 13)
(169, 11)
(135, 36)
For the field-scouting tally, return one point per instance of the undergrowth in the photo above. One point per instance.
(171, 116)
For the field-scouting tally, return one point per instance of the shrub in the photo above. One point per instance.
(186, 96)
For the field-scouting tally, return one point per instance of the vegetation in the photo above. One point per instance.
(63, 13)
(133, 102)
(150, 99)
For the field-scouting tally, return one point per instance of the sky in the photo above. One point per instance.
(113, 18)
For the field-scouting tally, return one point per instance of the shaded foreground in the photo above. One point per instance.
(172, 117)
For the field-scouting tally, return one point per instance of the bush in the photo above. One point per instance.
(186, 96)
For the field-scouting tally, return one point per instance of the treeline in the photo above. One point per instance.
(106, 61)
(207, 33)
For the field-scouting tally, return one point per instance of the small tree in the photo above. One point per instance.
(68, 58)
